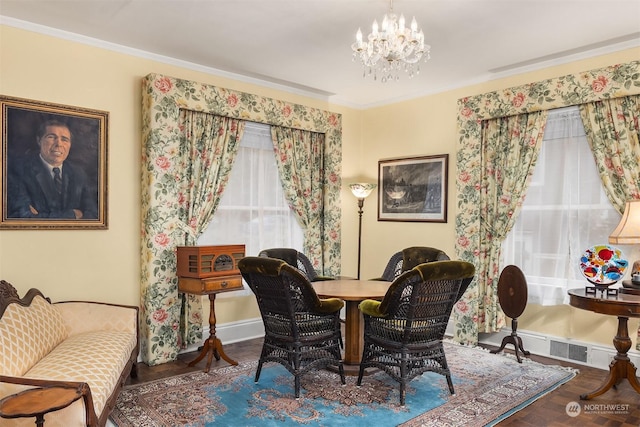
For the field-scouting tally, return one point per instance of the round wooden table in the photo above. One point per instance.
(512, 294)
(352, 292)
(623, 306)
(37, 402)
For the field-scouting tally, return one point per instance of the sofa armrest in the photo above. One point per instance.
(90, 413)
(85, 316)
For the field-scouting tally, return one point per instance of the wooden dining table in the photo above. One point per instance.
(352, 292)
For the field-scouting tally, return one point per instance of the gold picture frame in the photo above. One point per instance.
(34, 194)
(413, 189)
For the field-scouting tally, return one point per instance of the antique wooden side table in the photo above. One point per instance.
(622, 305)
(512, 294)
(37, 402)
(210, 270)
(211, 286)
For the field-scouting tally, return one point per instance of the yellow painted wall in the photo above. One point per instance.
(104, 265)
(427, 126)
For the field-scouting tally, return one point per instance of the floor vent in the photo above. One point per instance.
(568, 351)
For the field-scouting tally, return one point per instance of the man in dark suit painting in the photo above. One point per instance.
(48, 186)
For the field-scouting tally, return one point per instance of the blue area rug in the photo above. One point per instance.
(488, 389)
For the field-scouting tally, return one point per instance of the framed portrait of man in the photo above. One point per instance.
(53, 170)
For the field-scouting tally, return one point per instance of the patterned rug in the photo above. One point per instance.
(488, 389)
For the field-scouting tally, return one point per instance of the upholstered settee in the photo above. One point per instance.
(87, 345)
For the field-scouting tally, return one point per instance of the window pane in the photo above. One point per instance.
(253, 210)
(565, 212)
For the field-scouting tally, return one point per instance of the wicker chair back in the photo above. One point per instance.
(403, 333)
(296, 259)
(302, 332)
(408, 258)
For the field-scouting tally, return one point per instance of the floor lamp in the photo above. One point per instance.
(628, 233)
(361, 191)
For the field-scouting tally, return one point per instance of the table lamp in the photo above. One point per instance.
(361, 191)
(628, 233)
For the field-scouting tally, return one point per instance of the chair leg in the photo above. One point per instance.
(297, 385)
(343, 380)
(445, 365)
(450, 383)
(258, 370)
(360, 374)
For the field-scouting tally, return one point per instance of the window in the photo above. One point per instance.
(564, 213)
(253, 210)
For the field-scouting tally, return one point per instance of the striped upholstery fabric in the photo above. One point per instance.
(70, 341)
(31, 332)
(80, 317)
(96, 358)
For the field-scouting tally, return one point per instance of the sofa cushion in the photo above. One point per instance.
(97, 358)
(80, 317)
(29, 331)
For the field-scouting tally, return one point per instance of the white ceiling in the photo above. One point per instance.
(305, 44)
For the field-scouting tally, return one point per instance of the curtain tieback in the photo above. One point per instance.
(188, 230)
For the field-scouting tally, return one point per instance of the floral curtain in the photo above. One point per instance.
(207, 153)
(300, 160)
(606, 83)
(612, 127)
(162, 227)
(510, 147)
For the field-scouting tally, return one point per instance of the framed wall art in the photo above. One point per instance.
(413, 189)
(53, 170)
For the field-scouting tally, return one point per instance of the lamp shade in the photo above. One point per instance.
(362, 190)
(628, 231)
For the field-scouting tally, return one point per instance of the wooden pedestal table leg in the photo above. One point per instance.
(353, 338)
(212, 346)
(621, 367)
(353, 334)
(515, 340)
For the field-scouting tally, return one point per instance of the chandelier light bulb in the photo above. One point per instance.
(391, 48)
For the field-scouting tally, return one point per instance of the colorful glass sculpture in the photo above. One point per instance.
(603, 265)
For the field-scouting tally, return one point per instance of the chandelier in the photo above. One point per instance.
(391, 48)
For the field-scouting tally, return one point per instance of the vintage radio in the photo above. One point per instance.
(209, 261)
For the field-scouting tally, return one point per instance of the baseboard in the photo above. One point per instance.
(232, 332)
(561, 348)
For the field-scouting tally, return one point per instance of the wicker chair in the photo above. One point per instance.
(296, 259)
(302, 332)
(403, 333)
(408, 258)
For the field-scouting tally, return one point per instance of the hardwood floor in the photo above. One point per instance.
(549, 410)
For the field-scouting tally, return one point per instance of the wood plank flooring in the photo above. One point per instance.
(549, 410)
